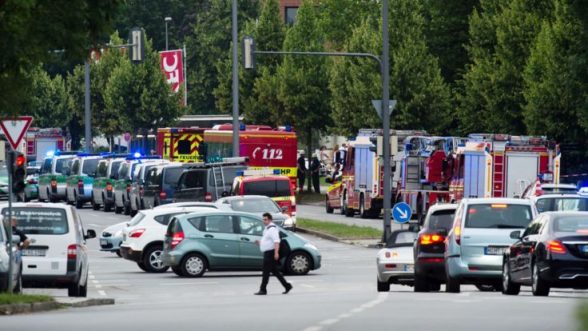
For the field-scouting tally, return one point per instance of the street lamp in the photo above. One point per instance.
(167, 19)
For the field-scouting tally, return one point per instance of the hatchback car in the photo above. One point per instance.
(429, 248)
(479, 237)
(6, 260)
(396, 262)
(57, 256)
(257, 204)
(551, 252)
(560, 202)
(225, 240)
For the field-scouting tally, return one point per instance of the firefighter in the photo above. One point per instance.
(314, 172)
(301, 171)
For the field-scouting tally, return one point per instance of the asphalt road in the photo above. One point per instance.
(340, 296)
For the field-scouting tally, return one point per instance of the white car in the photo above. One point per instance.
(143, 238)
(560, 202)
(57, 256)
(187, 204)
(258, 205)
(396, 262)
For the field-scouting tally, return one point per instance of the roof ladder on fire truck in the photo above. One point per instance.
(219, 178)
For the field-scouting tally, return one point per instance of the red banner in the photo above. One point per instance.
(173, 68)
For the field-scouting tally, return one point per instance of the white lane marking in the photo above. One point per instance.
(183, 284)
(98, 286)
(95, 281)
(329, 321)
(92, 276)
(102, 293)
(313, 328)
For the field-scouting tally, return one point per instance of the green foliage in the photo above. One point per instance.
(48, 100)
(7, 299)
(338, 230)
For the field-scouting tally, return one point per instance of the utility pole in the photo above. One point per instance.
(235, 84)
(87, 110)
(386, 119)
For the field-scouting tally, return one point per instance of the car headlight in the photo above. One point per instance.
(310, 246)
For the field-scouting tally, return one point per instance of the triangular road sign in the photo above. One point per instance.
(15, 128)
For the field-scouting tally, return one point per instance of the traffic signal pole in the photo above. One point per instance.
(10, 167)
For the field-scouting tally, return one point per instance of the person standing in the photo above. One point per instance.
(301, 171)
(270, 246)
(23, 242)
(315, 167)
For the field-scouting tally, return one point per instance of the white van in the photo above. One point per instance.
(57, 256)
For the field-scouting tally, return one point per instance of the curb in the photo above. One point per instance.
(89, 303)
(336, 239)
(24, 308)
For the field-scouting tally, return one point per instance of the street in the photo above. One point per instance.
(340, 296)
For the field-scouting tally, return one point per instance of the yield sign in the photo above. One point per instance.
(15, 128)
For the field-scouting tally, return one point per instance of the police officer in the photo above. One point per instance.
(270, 246)
(301, 171)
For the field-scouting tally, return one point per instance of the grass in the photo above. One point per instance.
(309, 197)
(340, 230)
(6, 298)
(583, 316)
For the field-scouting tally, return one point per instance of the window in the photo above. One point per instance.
(251, 226)
(172, 175)
(197, 222)
(89, 166)
(194, 179)
(571, 223)
(38, 220)
(123, 170)
(255, 205)
(46, 168)
(236, 188)
(290, 15)
(164, 219)
(59, 165)
(102, 168)
(441, 219)
(174, 227)
(269, 188)
(500, 216)
(534, 227)
(184, 147)
(219, 223)
(75, 167)
(137, 219)
(114, 169)
(153, 176)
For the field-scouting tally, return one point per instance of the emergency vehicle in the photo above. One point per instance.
(180, 144)
(40, 142)
(263, 146)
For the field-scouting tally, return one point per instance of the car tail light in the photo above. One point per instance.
(390, 266)
(457, 231)
(208, 197)
(128, 188)
(431, 259)
(429, 239)
(136, 233)
(555, 246)
(72, 252)
(109, 186)
(32, 181)
(162, 195)
(53, 183)
(177, 239)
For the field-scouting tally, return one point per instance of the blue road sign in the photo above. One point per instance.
(401, 212)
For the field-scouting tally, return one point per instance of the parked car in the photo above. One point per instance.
(81, 179)
(6, 260)
(103, 188)
(143, 238)
(53, 177)
(279, 188)
(160, 184)
(57, 256)
(258, 204)
(551, 252)
(395, 262)
(137, 189)
(112, 237)
(31, 190)
(206, 183)
(429, 248)
(537, 189)
(479, 237)
(128, 174)
(225, 240)
(560, 202)
(188, 204)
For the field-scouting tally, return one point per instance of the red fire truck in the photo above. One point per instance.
(180, 144)
(39, 142)
(265, 147)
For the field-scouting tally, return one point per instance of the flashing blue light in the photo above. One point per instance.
(105, 154)
(50, 153)
(137, 155)
(288, 128)
(242, 126)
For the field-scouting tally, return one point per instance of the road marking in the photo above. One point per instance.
(329, 321)
(95, 281)
(92, 276)
(102, 293)
(98, 286)
(182, 284)
(313, 328)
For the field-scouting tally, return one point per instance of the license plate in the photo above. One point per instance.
(496, 250)
(33, 252)
(103, 242)
(409, 267)
(584, 248)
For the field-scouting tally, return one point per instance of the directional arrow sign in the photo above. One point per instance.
(15, 128)
(378, 105)
(401, 212)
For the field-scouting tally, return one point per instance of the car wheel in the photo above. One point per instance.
(107, 206)
(152, 259)
(452, 284)
(342, 203)
(298, 263)
(141, 266)
(434, 287)
(83, 289)
(485, 287)
(178, 271)
(73, 290)
(118, 210)
(348, 211)
(79, 204)
(420, 283)
(193, 265)
(383, 287)
(328, 208)
(118, 253)
(127, 207)
(362, 212)
(539, 286)
(94, 205)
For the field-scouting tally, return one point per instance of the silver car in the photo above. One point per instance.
(256, 204)
(112, 237)
(396, 262)
(479, 237)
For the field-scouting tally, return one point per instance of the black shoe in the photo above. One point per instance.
(288, 288)
(260, 293)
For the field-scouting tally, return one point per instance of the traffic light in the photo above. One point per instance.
(18, 172)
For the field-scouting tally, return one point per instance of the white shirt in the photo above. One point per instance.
(271, 236)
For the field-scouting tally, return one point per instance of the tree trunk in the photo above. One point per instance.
(309, 155)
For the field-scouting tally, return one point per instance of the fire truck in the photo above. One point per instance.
(39, 142)
(264, 146)
(361, 189)
(180, 144)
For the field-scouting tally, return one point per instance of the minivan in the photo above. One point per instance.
(206, 183)
(160, 183)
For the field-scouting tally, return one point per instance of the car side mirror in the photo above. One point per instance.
(515, 235)
(90, 234)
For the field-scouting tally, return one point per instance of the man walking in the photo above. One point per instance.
(270, 246)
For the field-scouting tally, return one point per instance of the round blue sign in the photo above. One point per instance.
(401, 212)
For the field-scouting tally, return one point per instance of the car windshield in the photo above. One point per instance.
(33, 170)
(59, 163)
(562, 204)
(269, 188)
(498, 215)
(441, 219)
(38, 220)
(402, 238)
(571, 223)
(255, 206)
(3, 172)
(568, 190)
(46, 167)
(114, 168)
(90, 166)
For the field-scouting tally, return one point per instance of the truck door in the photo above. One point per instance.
(474, 175)
(520, 167)
(364, 164)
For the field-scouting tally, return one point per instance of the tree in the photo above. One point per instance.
(48, 100)
(30, 30)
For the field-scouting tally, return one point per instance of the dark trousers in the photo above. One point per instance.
(301, 179)
(316, 182)
(270, 265)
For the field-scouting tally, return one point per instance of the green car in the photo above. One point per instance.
(127, 173)
(222, 240)
(52, 177)
(4, 190)
(103, 188)
(81, 179)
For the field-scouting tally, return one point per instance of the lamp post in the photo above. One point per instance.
(235, 82)
(167, 19)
